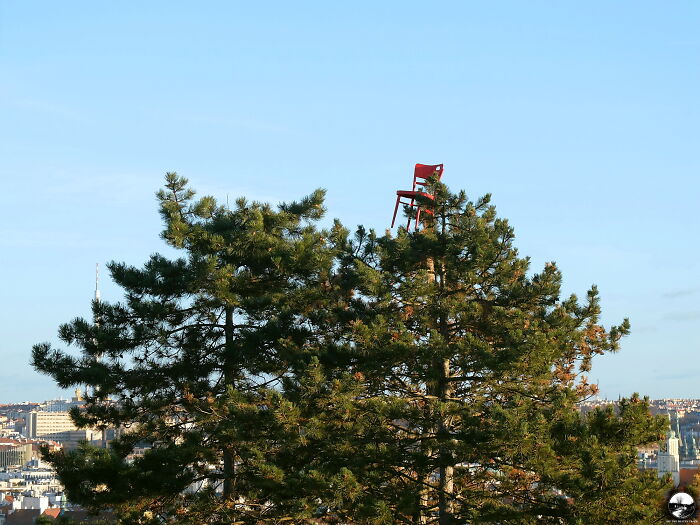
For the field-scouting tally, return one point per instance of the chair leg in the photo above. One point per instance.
(417, 219)
(408, 224)
(396, 208)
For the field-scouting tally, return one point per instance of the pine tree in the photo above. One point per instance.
(193, 365)
(281, 373)
(475, 366)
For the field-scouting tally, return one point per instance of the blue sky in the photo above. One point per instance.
(580, 118)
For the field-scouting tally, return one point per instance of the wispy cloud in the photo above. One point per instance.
(680, 375)
(47, 107)
(32, 238)
(682, 316)
(675, 294)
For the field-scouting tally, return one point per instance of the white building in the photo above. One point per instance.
(47, 424)
(668, 461)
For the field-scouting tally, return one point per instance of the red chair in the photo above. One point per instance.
(420, 178)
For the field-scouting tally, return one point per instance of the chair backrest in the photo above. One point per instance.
(423, 172)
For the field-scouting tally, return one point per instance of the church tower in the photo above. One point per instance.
(693, 452)
(682, 446)
(668, 461)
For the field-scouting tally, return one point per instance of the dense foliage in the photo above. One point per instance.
(279, 372)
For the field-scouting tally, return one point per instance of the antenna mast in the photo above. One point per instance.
(98, 356)
(97, 282)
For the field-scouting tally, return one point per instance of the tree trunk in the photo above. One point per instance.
(229, 377)
(424, 498)
(446, 486)
(444, 392)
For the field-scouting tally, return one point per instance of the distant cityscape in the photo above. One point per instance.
(29, 487)
(679, 453)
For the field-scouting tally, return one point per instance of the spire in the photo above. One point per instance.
(97, 282)
(103, 443)
(692, 447)
(677, 427)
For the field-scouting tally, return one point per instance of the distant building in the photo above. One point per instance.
(63, 405)
(47, 424)
(14, 453)
(668, 460)
(692, 449)
(52, 421)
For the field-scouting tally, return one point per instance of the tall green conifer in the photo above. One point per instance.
(476, 366)
(194, 361)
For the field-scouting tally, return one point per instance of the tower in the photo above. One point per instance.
(97, 282)
(692, 448)
(103, 441)
(668, 461)
(682, 448)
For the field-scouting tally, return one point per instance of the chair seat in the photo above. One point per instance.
(412, 194)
